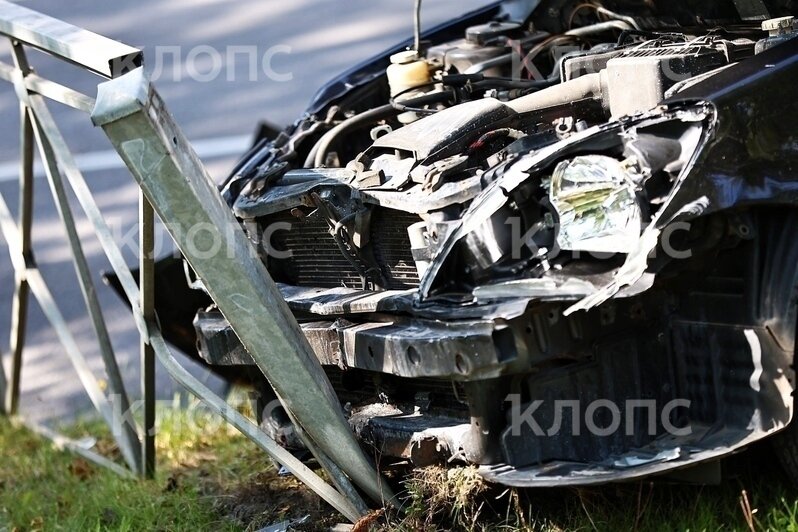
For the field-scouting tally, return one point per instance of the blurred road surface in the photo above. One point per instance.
(306, 42)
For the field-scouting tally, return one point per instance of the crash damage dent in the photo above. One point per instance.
(697, 192)
(426, 355)
(496, 196)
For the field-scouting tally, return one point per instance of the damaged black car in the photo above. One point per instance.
(556, 240)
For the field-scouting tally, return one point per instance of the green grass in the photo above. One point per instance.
(443, 500)
(44, 489)
(211, 478)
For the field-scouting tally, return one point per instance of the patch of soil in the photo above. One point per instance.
(267, 498)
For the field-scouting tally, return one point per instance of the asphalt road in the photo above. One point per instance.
(185, 43)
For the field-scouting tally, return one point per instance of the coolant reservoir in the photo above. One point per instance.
(406, 71)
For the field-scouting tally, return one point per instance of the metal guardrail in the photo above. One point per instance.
(175, 184)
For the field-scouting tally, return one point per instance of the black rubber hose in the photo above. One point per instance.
(318, 153)
(513, 84)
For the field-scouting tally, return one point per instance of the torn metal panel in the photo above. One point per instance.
(423, 439)
(541, 289)
(633, 269)
(293, 189)
(341, 301)
(421, 201)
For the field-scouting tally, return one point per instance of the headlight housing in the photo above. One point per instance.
(573, 210)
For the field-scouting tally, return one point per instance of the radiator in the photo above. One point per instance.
(317, 261)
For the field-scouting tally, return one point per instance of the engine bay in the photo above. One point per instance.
(377, 180)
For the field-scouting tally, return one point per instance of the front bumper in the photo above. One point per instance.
(626, 352)
(403, 346)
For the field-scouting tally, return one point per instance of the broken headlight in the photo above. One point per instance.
(568, 212)
(595, 197)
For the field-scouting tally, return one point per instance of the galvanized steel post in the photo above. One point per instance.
(177, 185)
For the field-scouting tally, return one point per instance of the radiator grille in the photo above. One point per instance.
(316, 259)
(392, 249)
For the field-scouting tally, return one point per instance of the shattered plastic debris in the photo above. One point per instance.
(636, 262)
(637, 460)
(594, 196)
(285, 526)
(541, 288)
(86, 442)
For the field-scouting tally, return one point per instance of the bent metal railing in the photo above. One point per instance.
(175, 185)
